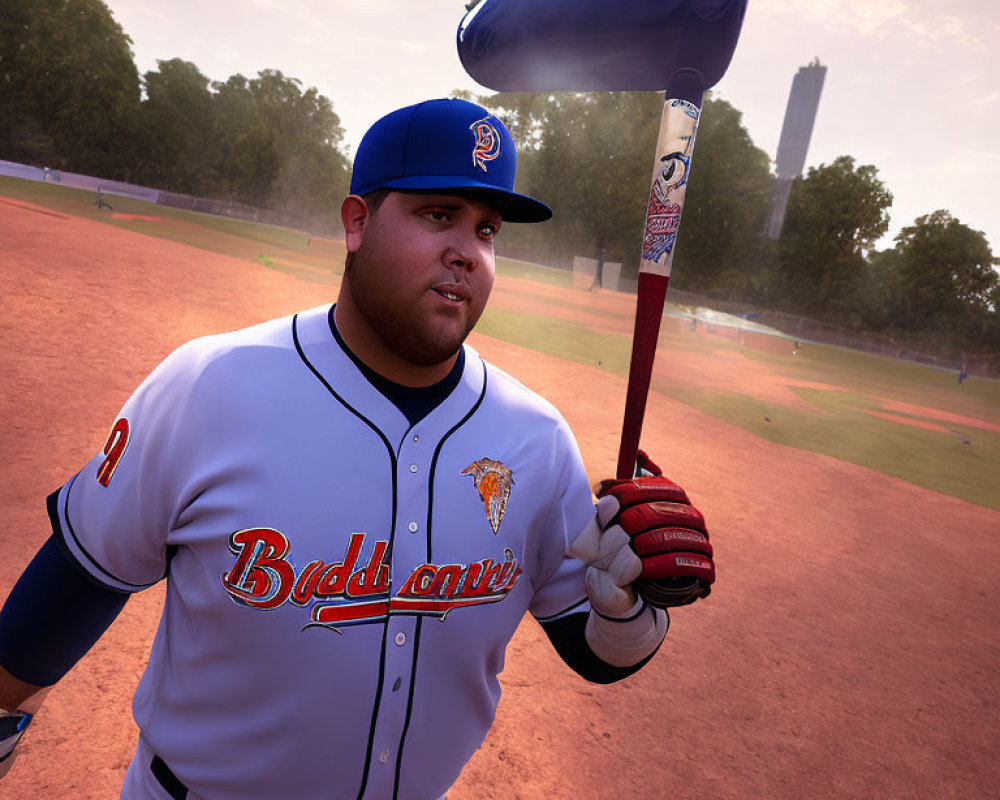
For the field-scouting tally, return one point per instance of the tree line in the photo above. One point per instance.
(589, 155)
(71, 98)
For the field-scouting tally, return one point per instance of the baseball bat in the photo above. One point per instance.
(683, 46)
(671, 167)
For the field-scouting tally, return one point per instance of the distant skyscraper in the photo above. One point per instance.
(800, 114)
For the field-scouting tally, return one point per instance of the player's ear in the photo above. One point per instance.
(354, 215)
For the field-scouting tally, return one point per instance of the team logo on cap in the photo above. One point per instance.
(493, 480)
(487, 147)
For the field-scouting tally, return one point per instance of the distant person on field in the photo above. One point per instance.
(100, 202)
(598, 272)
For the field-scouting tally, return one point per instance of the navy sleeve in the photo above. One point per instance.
(569, 638)
(53, 616)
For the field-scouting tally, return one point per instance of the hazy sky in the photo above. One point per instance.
(913, 86)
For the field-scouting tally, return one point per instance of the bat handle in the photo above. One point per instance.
(652, 294)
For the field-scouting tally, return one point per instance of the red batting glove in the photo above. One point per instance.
(667, 533)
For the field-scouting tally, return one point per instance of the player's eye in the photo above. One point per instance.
(439, 216)
(488, 230)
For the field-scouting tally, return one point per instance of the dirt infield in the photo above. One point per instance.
(849, 650)
(916, 423)
(144, 217)
(933, 413)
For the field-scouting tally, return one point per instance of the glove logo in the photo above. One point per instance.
(487, 147)
(493, 480)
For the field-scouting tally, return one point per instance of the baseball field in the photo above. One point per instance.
(849, 649)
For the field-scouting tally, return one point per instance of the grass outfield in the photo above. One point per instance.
(284, 249)
(960, 460)
(80, 203)
(963, 461)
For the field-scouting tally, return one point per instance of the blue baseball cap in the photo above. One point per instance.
(451, 146)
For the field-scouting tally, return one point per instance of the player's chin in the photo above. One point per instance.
(429, 352)
(431, 341)
(453, 319)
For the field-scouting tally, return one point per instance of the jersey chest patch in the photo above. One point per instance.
(493, 481)
(356, 590)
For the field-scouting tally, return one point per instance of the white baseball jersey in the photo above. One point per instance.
(342, 586)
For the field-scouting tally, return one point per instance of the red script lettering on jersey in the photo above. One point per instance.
(263, 577)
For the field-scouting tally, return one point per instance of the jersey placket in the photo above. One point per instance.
(409, 547)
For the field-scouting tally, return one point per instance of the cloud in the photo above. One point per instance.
(152, 13)
(956, 22)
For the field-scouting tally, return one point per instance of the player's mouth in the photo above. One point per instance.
(452, 293)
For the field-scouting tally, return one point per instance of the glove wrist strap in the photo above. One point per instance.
(628, 616)
(623, 643)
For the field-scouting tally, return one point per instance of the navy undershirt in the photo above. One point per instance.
(53, 616)
(416, 402)
(56, 612)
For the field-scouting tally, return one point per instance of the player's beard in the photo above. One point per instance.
(401, 328)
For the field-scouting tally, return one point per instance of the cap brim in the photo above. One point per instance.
(513, 207)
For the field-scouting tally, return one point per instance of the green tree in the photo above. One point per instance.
(176, 128)
(590, 156)
(279, 146)
(314, 172)
(69, 89)
(246, 146)
(835, 215)
(940, 281)
(719, 247)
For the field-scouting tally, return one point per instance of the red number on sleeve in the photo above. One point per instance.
(114, 448)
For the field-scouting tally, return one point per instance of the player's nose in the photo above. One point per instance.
(459, 259)
(462, 251)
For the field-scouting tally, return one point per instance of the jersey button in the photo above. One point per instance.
(400, 638)
(383, 756)
(412, 527)
(413, 467)
(397, 684)
(416, 438)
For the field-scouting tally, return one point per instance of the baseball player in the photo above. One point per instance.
(352, 511)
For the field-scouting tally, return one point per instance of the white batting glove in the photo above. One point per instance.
(620, 630)
(613, 564)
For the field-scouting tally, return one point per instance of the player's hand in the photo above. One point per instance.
(645, 537)
(613, 565)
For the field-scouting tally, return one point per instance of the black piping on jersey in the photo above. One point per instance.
(392, 533)
(52, 505)
(420, 620)
(550, 617)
